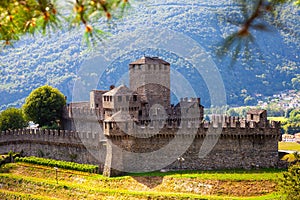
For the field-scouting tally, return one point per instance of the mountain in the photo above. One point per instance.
(184, 33)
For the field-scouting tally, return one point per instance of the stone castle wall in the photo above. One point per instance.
(238, 145)
(224, 146)
(61, 145)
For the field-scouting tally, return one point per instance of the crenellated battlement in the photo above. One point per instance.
(232, 126)
(81, 147)
(48, 136)
(83, 113)
(229, 126)
(191, 100)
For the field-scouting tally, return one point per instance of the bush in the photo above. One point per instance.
(290, 184)
(59, 164)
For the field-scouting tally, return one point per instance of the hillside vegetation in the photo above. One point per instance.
(57, 60)
(29, 181)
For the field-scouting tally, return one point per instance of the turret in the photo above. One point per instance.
(150, 77)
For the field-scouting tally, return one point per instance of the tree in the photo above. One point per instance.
(296, 82)
(292, 125)
(295, 115)
(232, 112)
(31, 16)
(12, 118)
(44, 106)
(290, 183)
(288, 112)
(250, 100)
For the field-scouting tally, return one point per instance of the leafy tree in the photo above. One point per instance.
(292, 125)
(30, 16)
(287, 112)
(250, 100)
(44, 106)
(274, 111)
(232, 112)
(238, 112)
(295, 115)
(290, 184)
(296, 82)
(12, 118)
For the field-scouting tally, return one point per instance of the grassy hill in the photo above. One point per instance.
(28, 181)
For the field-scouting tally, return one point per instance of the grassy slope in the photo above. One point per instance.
(27, 181)
(278, 119)
(291, 146)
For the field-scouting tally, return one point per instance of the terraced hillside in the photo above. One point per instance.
(28, 181)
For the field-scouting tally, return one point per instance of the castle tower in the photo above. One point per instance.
(150, 77)
(258, 116)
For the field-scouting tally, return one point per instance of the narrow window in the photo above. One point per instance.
(134, 97)
(119, 98)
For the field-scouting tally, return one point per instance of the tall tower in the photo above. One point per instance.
(150, 77)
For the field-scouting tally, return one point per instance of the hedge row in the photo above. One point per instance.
(58, 163)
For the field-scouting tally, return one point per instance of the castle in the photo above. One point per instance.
(136, 128)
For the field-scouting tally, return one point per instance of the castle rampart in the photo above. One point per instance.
(247, 146)
(239, 145)
(230, 126)
(81, 147)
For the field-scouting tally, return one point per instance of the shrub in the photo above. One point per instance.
(59, 164)
(290, 183)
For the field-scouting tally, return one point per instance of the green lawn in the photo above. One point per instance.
(229, 175)
(279, 119)
(291, 146)
(30, 181)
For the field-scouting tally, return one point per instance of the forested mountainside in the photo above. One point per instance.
(58, 59)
